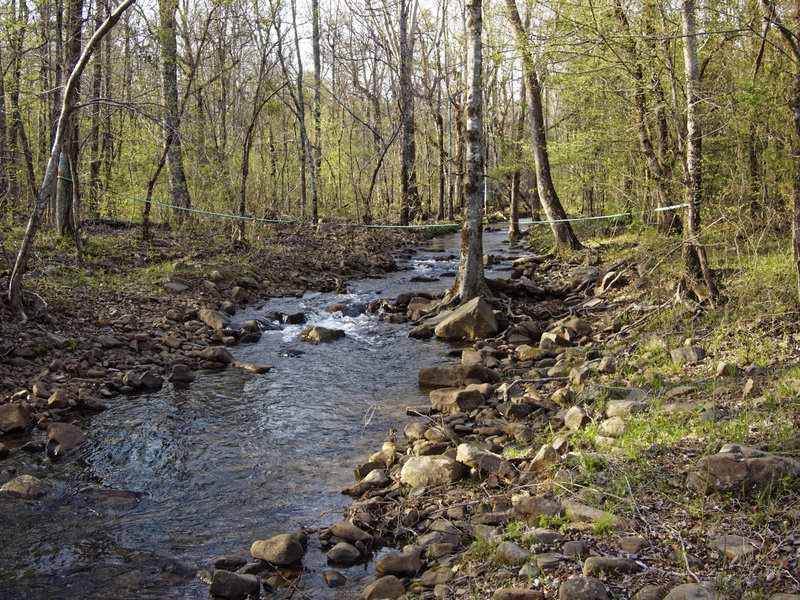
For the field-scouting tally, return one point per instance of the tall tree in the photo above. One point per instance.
(409, 192)
(178, 189)
(67, 186)
(694, 252)
(563, 234)
(470, 281)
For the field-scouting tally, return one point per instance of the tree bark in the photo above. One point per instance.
(693, 251)
(178, 189)
(409, 192)
(469, 278)
(94, 136)
(317, 148)
(516, 176)
(563, 234)
(66, 186)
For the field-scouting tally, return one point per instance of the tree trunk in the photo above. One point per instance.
(65, 213)
(178, 189)
(516, 176)
(469, 279)
(94, 137)
(565, 238)
(409, 192)
(317, 149)
(693, 251)
(21, 263)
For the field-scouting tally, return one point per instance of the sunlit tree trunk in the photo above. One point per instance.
(563, 234)
(409, 192)
(178, 189)
(693, 251)
(469, 278)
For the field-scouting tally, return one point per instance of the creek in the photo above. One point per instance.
(172, 480)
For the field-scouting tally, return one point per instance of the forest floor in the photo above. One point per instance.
(635, 403)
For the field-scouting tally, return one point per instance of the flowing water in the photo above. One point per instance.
(169, 481)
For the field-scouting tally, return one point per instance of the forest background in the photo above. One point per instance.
(355, 111)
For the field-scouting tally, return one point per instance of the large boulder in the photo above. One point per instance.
(430, 470)
(741, 470)
(281, 550)
(400, 564)
(63, 438)
(454, 376)
(321, 335)
(449, 400)
(472, 320)
(14, 418)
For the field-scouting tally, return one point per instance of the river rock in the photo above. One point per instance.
(441, 531)
(430, 470)
(400, 564)
(63, 438)
(281, 550)
(350, 532)
(216, 354)
(741, 470)
(651, 592)
(239, 295)
(622, 408)
(687, 355)
(472, 320)
(344, 554)
(489, 462)
(181, 374)
(233, 586)
(511, 554)
(14, 418)
(454, 376)
(449, 400)
(384, 587)
(613, 427)
(151, 381)
(321, 335)
(414, 431)
(24, 487)
(252, 367)
(333, 579)
(576, 418)
(582, 588)
(694, 591)
(214, 318)
(596, 565)
(5, 451)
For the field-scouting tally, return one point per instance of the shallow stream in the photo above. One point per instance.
(170, 481)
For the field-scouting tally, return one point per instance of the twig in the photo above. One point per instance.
(627, 328)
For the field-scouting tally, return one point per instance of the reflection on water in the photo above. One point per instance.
(172, 480)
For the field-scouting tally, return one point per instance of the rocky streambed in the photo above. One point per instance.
(527, 465)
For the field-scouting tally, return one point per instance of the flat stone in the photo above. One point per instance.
(215, 319)
(651, 592)
(216, 354)
(633, 544)
(449, 400)
(454, 376)
(108, 341)
(735, 546)
(350, 532)
(545, 458)
(517, 594)
(321, 335)
(532, 508)
(436, 576)
(613, 427)
(252, 367)
(741, 470)
(548, 561)
(624, 408)
(175, 287)
(181, 374)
